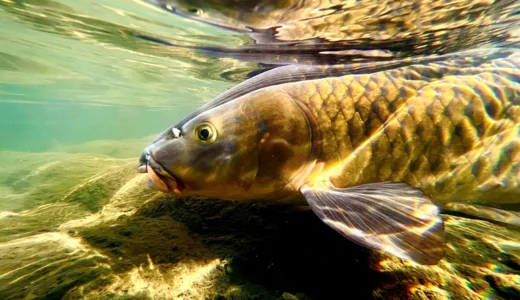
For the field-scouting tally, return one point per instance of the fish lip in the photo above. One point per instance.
(172, 183)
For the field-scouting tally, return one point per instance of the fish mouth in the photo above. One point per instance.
(160, 178)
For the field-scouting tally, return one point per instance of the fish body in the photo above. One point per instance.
(373, 148)
(452, 132)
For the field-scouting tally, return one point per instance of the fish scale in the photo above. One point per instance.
(452, 132)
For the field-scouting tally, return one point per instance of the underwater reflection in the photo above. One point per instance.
(312, 31)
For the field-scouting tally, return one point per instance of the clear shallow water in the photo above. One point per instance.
(74, 71)
(81, 95)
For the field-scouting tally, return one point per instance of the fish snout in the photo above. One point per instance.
(144, 159)
(152, 161)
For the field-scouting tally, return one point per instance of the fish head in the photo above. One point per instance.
(248, 148)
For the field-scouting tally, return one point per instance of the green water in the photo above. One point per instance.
(74, 71)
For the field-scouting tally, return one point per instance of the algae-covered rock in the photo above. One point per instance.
(84, 226)
(40, 192)
(47, 265)
(29, 180)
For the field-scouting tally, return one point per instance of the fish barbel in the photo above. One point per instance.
(375, 149)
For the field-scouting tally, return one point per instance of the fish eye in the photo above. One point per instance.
(206, 133)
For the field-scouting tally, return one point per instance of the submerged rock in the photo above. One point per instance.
(87, 226)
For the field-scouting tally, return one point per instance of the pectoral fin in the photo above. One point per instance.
(390, 217)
